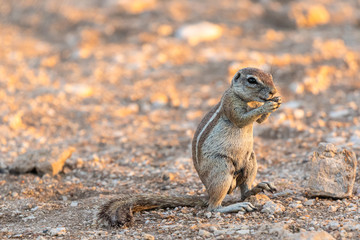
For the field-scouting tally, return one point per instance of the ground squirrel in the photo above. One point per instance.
(222, 152)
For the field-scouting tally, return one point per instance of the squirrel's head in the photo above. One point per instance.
(252, 84)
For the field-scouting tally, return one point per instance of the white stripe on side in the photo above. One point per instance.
(204, 128)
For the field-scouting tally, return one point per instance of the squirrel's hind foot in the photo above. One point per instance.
(237, 207)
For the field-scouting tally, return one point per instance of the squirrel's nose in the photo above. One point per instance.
(272, 91)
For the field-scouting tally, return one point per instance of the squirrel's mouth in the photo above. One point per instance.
(264, 99)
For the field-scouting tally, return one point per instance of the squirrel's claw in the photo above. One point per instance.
(268, 186)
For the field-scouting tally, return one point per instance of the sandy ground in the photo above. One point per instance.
(123, 83)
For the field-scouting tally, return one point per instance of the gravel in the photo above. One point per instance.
(117, 82)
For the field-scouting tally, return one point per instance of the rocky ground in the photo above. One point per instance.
(124, 84)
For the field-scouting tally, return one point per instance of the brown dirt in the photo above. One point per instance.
(116, 81)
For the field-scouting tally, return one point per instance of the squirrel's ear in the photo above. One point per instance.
(236, 77)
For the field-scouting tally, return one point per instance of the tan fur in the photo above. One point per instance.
(222, 151)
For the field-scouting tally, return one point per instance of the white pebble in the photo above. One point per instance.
(309, 202)
(204, 233)
(333, 225)
(243, 232)
(295, 205)
(148, 237)
(57, 231)
(333, 208)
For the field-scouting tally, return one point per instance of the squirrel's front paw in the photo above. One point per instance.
(276, 99)
(271, 105)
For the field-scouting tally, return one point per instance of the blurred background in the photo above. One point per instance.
(125, 83)
(68, 65)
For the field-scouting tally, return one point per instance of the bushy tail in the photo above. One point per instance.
(119, 212)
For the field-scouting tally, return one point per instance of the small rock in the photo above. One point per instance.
(310, 235)
(339, 114)
(336, 140)
(355, 140)
(199, 32)
(277, 228)
(219, 232)
(258, 200)
(271, 208)
(54, 163)
(243, 232)
(327, 148)
(159, 99)
(286, 192)
(351, 209)
(299, 113)
(124, 111)
(331, 172)
(282, 231)
(81, 90)
(57, 231)
(34, 208)
(224, 232)
(16, 121)
(217, 215)
(309, 202)
(306, 15)
(74, 204)
(168, 176)
(333, 208)
(295, 205)
(208, 214)
(3, 170)
(333, 225)
(42, 161)
(240, 214)
(352, 226)
(2, 166)
(204, 233)
(212, 228)
(29, 217)
(148, 236)
(137, 6)
(167, 187)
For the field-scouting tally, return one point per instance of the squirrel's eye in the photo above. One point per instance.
(252, 80)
